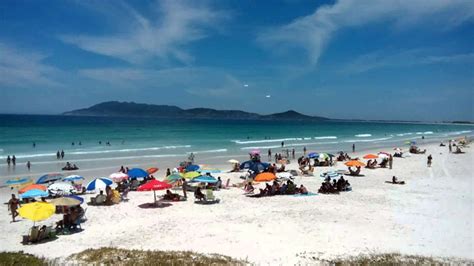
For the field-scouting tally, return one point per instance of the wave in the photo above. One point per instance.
(326, 137)
(459, 132)
(425, 133)
(367, 140)
(208, 151)
(363, 135)
(404, 134)
(264, 140)
(288, 146)
(260, 147)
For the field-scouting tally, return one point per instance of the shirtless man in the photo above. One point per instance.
(13, 205)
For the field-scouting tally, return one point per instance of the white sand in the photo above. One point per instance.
(430, 215)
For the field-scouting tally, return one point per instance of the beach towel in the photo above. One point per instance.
(398, 182)
(305, 195)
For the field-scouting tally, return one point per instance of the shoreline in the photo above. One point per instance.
(414, 219)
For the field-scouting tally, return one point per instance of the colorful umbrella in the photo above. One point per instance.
(370, 156)
(137, 173)
(17, 182)
(192, 167)
(354, 163)
(49, 178)
(264, 177)
(152, 170)
(323, 156)
(255, 152)
(210, 170)
(34, 193)
(37, 211)
(73, 178)
(257, 167)
(173, 178)
(99, 184)
(65, 201)
(191, 175)
(61, 188)
(118, 177)
(154, 185)
(313, 155)
(205, 179)
(32, 186)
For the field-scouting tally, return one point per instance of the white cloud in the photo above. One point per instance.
(20, 68)
(313, 32)
(173, 25)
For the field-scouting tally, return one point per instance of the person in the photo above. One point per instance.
(122, 170)
(390, 161)
(185, 187)
(28, 165)
(450, 147)
(394, 180)
(9, 160)
(101, 198)
(282, 144)
(62, 154)
(304, 150)
(108, 192)
(168, 172)
(269, 154)
(13, 205)
(14, 160)
(34, 144)
(191, 158)
(303, 190)
(80, 143)
(198, 194)
(430, 159)
(293, 153)
(219, 182)
(58, 155)
(72, 144)
(353, 147)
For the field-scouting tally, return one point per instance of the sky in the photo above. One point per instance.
(350, 59)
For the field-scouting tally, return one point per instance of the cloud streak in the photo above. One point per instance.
(164, 34)
(313, 32)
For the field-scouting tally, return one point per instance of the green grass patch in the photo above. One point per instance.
(125, 257)
(396, 259)
(20, 258)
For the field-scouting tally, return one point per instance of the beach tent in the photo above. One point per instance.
(32, 186)
(18, 182)
(34, 193)
(118, 177)
(49, 178)
(73, 178)
(257, 167)
(99, 184)
(37, 211)
(154, 185)
(205, 179)
(137, 173)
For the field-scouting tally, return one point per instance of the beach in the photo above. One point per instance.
(431, 215)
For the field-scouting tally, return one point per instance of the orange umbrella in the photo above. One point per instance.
(371, 156)
(33, 186)
(152, 170)
(354, 163)
(263, 177)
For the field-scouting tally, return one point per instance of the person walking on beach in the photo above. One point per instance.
(353, 147)
(390, 161)
(62, 154)
(8, 160)
(293, 153)
(282, 144)
(304, 151)
(58, 155)
(14, 160)
(168, 172)
(185, 187)
(13, 205)
(430, 159)
(269, 154)
(28, 165)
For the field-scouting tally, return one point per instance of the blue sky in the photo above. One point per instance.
(411, 60)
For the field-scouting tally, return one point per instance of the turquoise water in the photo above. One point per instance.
(163, 138)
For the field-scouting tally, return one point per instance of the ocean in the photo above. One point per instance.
(155, 141)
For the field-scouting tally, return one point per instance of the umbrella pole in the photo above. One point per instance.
(154, 194)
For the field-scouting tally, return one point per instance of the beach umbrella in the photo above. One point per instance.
(154, 185)
(330, 174)
(32, 186)
(99, 184)
(73, 178)
(370, 156)
(257, 167)
(17, 182)
(34, 193)
(313, 155)
(118, 177)
(412, 142)
(191, 175)
(354, 163)
(255, 152)
(192, 167)
(80, 199)
(173, 178)
(65, 202)
(49, 178)
(61, 188)
(137, 173)
(384, 155)
(209, 170)
(232, 161)
(323, 156)
(152, 170)
(205, 179)
(37, 211)
(264, 177)
(285, 175)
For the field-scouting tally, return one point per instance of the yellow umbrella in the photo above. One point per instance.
(65, 201)
(37, 211)
(191, 175)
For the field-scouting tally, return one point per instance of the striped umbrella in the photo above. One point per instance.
(73, 178)
(99, 184)
(118, 177)
(49, 178)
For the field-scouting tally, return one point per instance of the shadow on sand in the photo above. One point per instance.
(157, 205)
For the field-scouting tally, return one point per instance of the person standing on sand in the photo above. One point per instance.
(28, 165)
(390, 161)
(293, 153)
(353, 147)
(450, 147)
(269, 154)
(430, 159)
(13, 205)
(304, 151)
(185, 187)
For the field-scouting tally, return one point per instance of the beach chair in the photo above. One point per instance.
(210, 195)
(32, 237)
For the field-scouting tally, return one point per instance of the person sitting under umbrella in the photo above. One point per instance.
(199, 195)
(171, 196)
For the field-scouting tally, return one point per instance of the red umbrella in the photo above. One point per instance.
(154, 185)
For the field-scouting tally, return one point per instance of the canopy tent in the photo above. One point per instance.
(49, 178)
(264, 177)
(154, 185)
(137, 173)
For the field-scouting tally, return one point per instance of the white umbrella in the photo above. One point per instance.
(286, 175)
(61, 188)
(118, 177)
(233, 161)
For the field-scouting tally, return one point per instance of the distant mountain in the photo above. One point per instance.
(131, 109)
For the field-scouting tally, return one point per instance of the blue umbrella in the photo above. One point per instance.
(137, 173)
(49, 178)
(75, 197)
(34, 193)
(313, 155)
(205, 179)
(99, 183)
(73, 178)
(254, 166)
(192, 167)
(17, 181)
